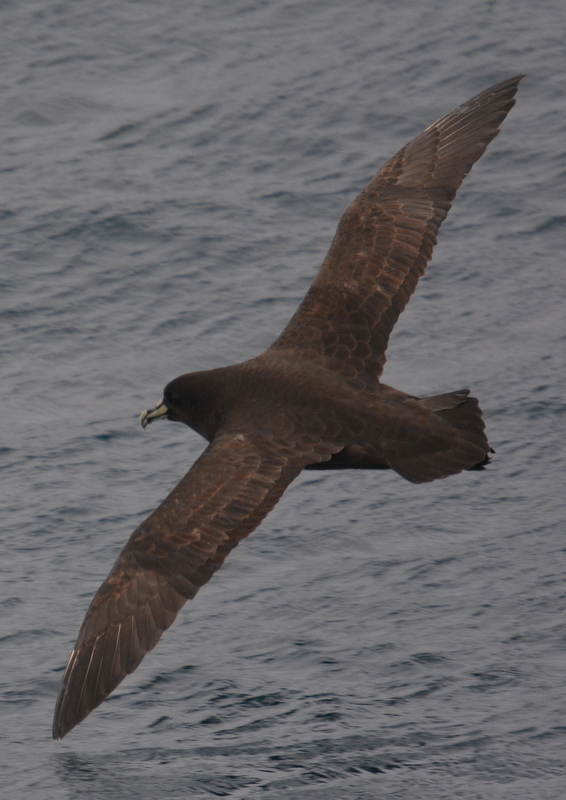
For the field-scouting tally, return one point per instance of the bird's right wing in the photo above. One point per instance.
(385, 239)
(222, 498)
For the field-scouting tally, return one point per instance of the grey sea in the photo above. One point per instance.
(172, 174)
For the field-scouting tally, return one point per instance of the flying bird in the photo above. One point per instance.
(312, 400)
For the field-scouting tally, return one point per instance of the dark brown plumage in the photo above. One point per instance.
(312, 400)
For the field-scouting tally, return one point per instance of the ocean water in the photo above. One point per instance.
(172, 175)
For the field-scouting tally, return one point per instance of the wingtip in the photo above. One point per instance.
(56, 734)
(511, 84)
(515, 79)
(64, 721)
(65, 717)
(60, 728)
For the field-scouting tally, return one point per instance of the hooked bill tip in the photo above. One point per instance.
(151, 414)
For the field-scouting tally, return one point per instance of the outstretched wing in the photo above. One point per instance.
(385, 240)
(178, 548)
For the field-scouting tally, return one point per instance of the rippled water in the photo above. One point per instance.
(172, 175)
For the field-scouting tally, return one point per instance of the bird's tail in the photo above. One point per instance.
(465, 447)
(462, 412)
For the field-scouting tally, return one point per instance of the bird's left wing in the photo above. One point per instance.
(224, 496)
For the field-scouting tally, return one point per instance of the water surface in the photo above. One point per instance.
(172, 177)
